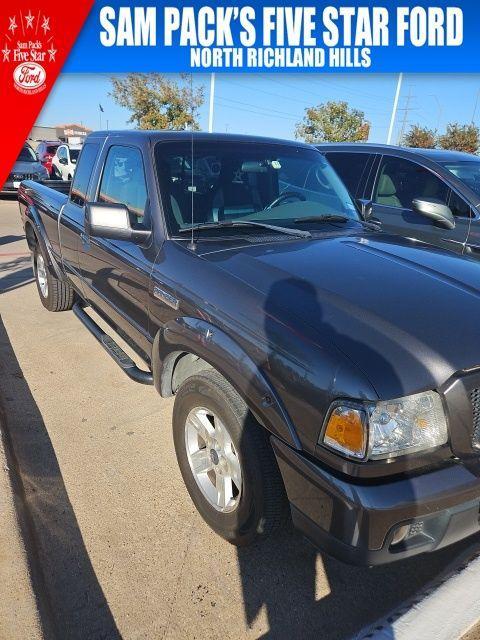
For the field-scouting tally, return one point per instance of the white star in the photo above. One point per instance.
(52, 53)
(13, 24)
(45, 24)
(29, 18)
(6, 54)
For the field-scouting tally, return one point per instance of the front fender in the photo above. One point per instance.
(208, 342)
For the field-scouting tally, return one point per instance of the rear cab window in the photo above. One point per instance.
(83, 173)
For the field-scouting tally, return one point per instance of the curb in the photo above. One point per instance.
(446, 609)
(18, 610)
(22, 602)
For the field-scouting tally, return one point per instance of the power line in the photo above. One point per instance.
(267, 109)
(406, 111)
(265, 114)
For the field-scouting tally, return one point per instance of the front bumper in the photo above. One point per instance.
(356, 522)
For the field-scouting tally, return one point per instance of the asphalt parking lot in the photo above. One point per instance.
(118, 550)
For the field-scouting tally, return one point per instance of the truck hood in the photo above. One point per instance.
(407, 314)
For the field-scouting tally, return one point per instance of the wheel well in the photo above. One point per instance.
(177, 367)
(31, 237)
(180, 365)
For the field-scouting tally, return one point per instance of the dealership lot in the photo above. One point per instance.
(117, 544)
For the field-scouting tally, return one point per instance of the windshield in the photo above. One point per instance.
(468, 171)
(74, 153)
(27, 155)
(244, 181)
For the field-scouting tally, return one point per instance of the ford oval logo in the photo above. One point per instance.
(29, 77)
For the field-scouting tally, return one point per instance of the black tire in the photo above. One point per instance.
(262, 506)
(58, 295)
(55, 173)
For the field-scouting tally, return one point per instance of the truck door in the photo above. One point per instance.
(116, 273)
(72, 215)
(399, 182)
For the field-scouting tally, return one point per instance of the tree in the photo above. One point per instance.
(156, 102)
(420, 137)
(333, 122)
(461, 138)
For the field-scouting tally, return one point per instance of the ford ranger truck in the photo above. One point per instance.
(320, 368)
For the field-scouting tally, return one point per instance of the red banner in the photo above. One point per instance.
(35, 38)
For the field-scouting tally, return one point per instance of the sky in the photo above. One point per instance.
(272, 103)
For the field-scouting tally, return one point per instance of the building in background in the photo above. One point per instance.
(70, 133)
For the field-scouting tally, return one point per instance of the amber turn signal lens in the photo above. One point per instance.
(347, 431)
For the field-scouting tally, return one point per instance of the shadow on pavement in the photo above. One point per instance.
(8, 239)
(18, 273)
(71, 593)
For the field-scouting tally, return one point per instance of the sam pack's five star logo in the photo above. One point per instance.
(46, 24)
(29, 44)
(29, 20)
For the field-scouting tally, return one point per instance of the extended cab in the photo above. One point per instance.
(316, 363)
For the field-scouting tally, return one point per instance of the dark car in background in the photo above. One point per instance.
(431, 195)
(26, 167)
(45, 152)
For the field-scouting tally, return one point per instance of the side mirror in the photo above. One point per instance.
(436, 210)
(62, 160)
(366, 208)
(112, 221)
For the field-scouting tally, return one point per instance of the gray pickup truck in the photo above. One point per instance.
(320, 367)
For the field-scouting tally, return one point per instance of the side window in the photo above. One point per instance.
(83, 173)
(123, 181)
(459, 207)
(350, 167)
(401, 181)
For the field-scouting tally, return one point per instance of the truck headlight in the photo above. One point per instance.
(387, 429)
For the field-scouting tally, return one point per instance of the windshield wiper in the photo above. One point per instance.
(325, 218)
(246, 223)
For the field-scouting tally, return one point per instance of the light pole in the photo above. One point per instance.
(212, 98)
(395, 107)
(475, 108)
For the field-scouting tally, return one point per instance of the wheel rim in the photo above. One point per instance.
(42, 276)
(213, 459)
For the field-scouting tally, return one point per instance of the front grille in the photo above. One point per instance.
(24, 176)
(475, 399)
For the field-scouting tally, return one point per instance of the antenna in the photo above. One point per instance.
(191, 244)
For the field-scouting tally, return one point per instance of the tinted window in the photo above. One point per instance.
(401, 181)
(350, 167)
(74, 153)
(123, 181)
(459, 207)
(52, 149)
(27, 155)
(83, 173)
(62, 152)
(271, 183)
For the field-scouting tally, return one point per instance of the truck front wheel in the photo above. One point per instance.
(226, 461)
(55, 294)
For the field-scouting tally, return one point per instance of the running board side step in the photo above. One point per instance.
(112, 348)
